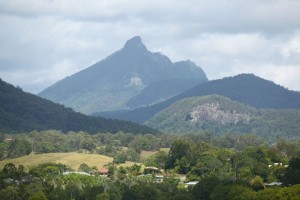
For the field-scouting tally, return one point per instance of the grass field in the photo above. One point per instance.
(165, 149)
(145, 154)
(72, 159)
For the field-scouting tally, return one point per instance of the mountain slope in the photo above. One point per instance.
(110, 83)
(221, 115)
(159, 91)
(245, 88)
(23, 112)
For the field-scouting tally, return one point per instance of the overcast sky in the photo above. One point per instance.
(43, 41)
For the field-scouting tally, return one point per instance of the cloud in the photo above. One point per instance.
(41, 41)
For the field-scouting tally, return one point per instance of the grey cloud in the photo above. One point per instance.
(49, 39)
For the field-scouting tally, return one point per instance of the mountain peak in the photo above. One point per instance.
(135, 43)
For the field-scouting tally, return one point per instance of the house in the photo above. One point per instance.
(8, 139)
(81, 173)
(103, 171)
(9, 181)
(159, 178)
(151, 170)
(277, 164)
(273, 184)
(190, 184)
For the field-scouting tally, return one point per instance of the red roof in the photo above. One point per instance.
(104, 170)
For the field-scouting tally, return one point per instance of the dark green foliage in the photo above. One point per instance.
(83, 167)
(204, 189)
(132, 155)
(241, 192)
(19, 147)
(4, 149)
(147, 142)
(48, 170)
(157, 160)
(88, 144)
(24, 112)
(292, 174)
(251, 162)
(38, 196)
(179, 155)
(120, 158)
(220, 192)
(245, 88)
(10, 170)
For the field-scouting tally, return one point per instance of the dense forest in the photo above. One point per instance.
(24, 112)
(221, 115)
(229, 167)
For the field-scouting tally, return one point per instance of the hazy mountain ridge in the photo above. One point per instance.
(155, 93)
(24, 112)
(245, 88)
(221, 115)
(109, 84)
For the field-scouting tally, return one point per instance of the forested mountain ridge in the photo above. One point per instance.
(24, 112)
(121, 81)
(245, 88)
(220, 115)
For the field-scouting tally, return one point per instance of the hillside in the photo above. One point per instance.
(115, 82)
(24, 112)
(155, 93)
(221, 115)
(245, 88)
(72, 160)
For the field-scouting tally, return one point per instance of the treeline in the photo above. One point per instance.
(52, 141)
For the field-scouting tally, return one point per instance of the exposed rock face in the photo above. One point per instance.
(212, 112)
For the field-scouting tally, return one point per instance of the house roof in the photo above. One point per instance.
(273, 183)
(152, 168)
(192, 183)
(103, 170)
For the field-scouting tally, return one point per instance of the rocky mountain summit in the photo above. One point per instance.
(125, 80)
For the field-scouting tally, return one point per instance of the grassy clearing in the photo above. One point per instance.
(146, 154)
(165, 149)
(72, 159)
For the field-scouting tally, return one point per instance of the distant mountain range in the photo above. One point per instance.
(129, 78)
(244, 88)
(25, 112)
(221, 115)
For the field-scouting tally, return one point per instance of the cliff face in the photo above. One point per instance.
(221, 115)
(212, 112)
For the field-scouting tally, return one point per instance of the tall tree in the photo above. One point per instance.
(19, 147)
(180, 148)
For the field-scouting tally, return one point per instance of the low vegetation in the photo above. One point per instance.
(72, 160)
(228, 167)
